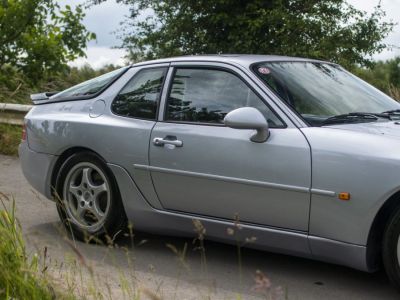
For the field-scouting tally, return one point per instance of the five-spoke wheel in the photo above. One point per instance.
(88, 197)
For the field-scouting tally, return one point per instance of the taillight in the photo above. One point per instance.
(23, 132)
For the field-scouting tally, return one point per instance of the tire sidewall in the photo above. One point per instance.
(389, 254)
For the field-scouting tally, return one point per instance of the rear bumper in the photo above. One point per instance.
(37, 168)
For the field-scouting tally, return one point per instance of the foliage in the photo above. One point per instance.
(385, 75)
(10, 137)
(17, 87)
(328, 29)
(19, 274)
(37, 37)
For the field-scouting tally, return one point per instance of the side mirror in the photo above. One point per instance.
(249, 118)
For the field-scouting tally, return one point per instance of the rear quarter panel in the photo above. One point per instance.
(55, 127)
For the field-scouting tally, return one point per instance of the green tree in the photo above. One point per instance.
(327, 29)
(39, 37)
(385, 75)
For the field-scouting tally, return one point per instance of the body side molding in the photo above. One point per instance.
(237, 180)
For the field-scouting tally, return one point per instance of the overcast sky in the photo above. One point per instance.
(105, 19)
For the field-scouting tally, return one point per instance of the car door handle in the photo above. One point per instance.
(168, 140)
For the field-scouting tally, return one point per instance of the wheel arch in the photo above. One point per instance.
(62, 158)
(375, 236)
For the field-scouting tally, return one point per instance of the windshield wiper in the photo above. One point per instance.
(393, 111)
(354, 117)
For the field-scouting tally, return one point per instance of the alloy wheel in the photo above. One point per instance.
(87, 196)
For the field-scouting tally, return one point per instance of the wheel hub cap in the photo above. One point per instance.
(87, 196)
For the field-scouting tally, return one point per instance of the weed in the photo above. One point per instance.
(21, 276)
(10, 137)
(394, 92)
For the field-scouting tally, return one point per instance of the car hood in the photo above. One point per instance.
(388, 128)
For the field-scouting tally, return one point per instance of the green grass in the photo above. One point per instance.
(20, 275)
(30, 276)
(10, 137)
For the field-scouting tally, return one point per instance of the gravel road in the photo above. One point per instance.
(155, 267)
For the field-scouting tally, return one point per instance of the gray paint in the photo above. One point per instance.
(249, 118)
(217, 152)
(37, 168)
(346, 160)
(97, 108)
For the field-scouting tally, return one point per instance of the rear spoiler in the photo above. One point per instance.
(38, 98)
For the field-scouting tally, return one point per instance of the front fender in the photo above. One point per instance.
(362, 164)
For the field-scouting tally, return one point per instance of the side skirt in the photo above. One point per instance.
(340, 253)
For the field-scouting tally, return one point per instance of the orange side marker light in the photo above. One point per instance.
(344, 196)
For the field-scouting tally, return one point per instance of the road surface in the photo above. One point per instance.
(152, 266)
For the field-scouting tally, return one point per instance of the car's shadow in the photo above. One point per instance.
(299, 278)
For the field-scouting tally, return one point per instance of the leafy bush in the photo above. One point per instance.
(10, 137)
(385, 75)
(15, 87)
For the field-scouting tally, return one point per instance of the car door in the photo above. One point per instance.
(204, 168)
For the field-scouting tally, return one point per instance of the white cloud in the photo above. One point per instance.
(392, 9)
(105, 19)
(97, 57)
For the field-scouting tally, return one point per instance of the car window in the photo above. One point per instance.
(207, 95)
(92, 86)
(319, 90)
(139, 98)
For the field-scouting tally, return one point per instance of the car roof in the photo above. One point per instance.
(243, 59)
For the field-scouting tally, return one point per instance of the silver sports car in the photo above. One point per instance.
(302, 153)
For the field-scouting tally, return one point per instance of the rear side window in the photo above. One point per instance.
(207, 95)
(139, 98)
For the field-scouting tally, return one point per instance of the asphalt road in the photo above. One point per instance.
(153, 266)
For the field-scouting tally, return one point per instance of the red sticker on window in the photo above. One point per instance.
(264, 70)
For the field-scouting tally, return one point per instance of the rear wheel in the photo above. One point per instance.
(89, 203)
(391, 249)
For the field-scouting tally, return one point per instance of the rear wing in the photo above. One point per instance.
(42, 97)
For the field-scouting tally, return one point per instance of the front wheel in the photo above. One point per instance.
(391, 249)
(89, 203)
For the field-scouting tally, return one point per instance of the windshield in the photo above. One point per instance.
(319, 91)
(92, 86)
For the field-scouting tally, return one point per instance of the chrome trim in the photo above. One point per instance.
(323, 192)
(225, 178)
(239, 180)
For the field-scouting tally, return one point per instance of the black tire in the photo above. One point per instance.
(390, 256)
(114, 221)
